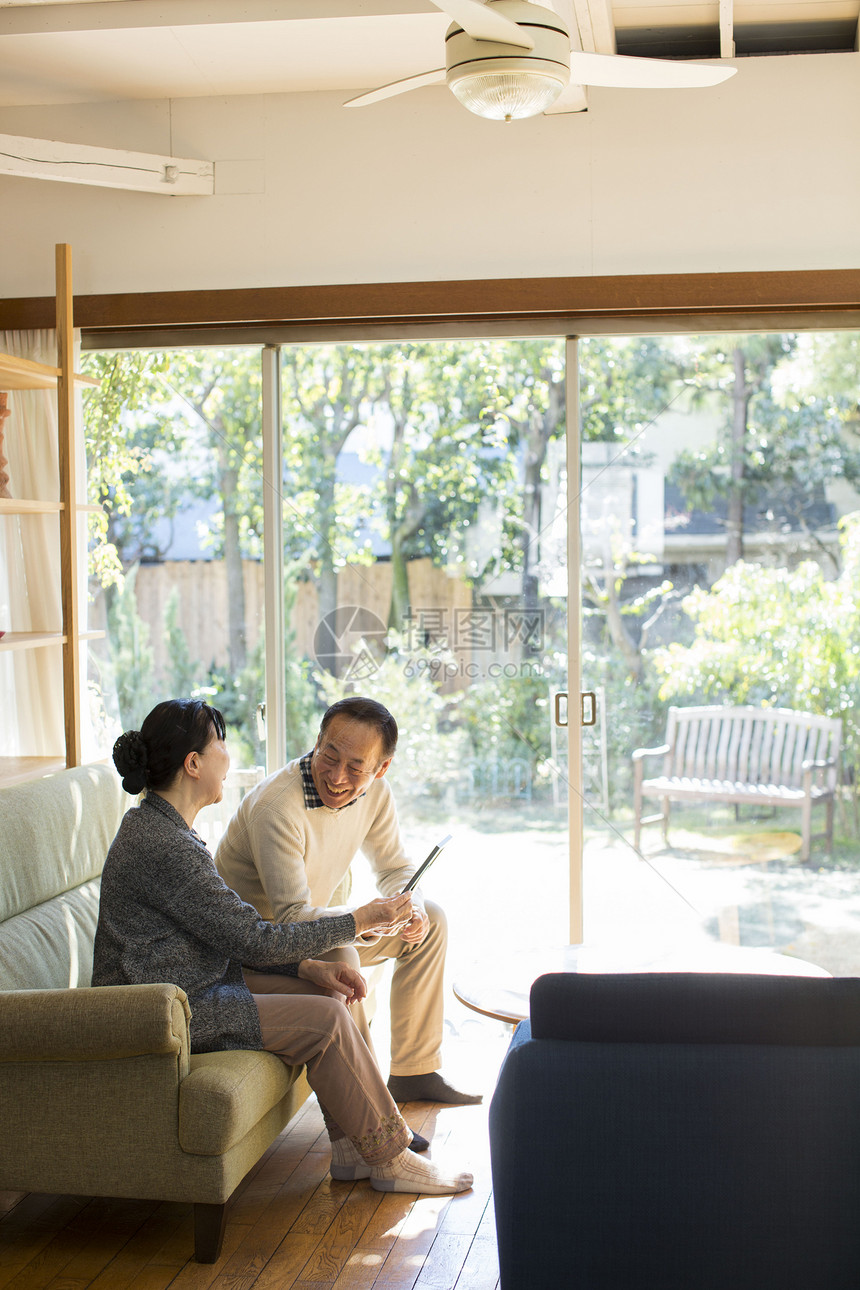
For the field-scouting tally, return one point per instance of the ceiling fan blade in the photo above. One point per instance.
(388, 91)
(483, 22)
(573, 98)
(621, 72)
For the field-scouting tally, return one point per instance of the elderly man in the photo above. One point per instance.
(291, 843)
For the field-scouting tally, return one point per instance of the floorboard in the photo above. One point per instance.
(291, 1226)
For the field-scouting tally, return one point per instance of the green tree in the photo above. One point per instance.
(299, 688)
(527, 405)
(183, 671)
(446, 457)
(327, 392)
(624, 385)
(114, 457)
(132, 656)
(214, 398)
(777, 638)
(163, 430)
(778, 442)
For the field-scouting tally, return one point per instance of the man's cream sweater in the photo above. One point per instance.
(287, 860)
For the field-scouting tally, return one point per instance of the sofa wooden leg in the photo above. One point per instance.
(209, 1224)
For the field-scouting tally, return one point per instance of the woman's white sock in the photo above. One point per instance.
(410, 1173)
(347, 1162)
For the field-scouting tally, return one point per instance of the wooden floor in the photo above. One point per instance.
(290, 1226)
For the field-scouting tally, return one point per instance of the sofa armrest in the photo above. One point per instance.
(94, 1024)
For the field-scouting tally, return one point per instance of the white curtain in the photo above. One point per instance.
(31, 681)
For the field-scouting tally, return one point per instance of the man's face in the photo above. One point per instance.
(345, 760)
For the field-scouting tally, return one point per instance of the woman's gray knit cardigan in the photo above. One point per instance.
(166, 915)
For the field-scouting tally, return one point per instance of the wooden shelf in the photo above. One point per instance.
(23, 506)
(30, 640)
(17, 770)
(23, 374)
(16, 506)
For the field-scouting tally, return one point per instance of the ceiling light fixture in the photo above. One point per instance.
(494, 81)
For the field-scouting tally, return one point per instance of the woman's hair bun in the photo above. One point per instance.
(129, 757)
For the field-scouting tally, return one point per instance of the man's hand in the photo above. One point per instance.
(383, 916)
(417, 927)
(342, 980)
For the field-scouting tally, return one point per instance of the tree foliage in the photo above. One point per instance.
(115, 460)
(624, 383)
(776, 637)
(780, 443)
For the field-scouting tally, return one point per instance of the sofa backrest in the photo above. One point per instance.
(696, 1008)
(54, 836)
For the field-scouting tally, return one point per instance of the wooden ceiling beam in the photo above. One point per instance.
(827, 292)
(727, 29)
(76, 163)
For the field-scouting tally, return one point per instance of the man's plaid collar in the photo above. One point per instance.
(309, 788)
(312, 797)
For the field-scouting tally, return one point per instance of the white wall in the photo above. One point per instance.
(760, 173)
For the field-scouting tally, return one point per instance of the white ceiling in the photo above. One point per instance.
(75, 51)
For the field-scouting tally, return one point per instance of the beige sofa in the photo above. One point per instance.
(100, 1093)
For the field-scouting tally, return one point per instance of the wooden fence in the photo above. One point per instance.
(203, 611)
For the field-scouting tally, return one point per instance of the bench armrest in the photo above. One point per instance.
(93, 1024)
(638, 753)
(818, 765)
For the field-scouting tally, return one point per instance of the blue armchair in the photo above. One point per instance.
(680, 1132)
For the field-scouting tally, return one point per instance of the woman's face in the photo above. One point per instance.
(214, 764)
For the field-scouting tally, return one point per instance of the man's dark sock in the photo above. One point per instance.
(429, 1088)
(418, 1143)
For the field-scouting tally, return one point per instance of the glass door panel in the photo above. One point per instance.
(425, 566)
(176, 567)
(719, 532)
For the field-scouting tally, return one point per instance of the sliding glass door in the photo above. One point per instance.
(424, 506)
(436, 523)
(719, 536)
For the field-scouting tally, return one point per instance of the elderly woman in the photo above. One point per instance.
(166, 915)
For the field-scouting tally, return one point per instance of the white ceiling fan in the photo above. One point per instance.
(508, 59)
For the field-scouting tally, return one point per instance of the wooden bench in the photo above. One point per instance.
(755, 756)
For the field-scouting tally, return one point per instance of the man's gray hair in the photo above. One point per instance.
(371, 713)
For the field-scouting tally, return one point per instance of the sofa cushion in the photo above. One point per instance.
(50, 947)
(224, 1096)
(55, 834)
(695, 1008)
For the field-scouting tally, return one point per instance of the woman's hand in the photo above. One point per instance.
(383, 916)
(340, 979)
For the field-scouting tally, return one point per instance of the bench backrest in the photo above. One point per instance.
(749, 745)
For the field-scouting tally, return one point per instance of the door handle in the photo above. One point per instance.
(587, 700)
